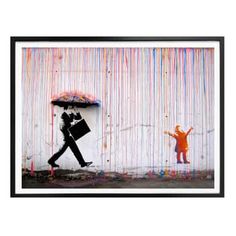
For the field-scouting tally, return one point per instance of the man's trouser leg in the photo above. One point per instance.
(74, 148)
(58, 154)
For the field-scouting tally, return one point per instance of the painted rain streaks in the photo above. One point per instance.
(143, 92)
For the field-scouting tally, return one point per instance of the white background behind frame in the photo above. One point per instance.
(132, 216)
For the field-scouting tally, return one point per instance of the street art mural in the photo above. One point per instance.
(120, 114)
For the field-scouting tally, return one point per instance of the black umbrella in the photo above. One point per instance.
(74, 99)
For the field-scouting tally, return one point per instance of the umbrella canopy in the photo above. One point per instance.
(74, 99)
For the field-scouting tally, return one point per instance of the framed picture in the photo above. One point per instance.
(117, 116)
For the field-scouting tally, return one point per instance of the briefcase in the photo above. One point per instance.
(79, 129)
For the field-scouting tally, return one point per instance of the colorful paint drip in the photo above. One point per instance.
(75, 98)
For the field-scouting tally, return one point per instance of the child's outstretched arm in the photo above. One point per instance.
(191, 128)
(169, 133)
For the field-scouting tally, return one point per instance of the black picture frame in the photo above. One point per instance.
(15, 39)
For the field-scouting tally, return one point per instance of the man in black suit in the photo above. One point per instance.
(69, 141)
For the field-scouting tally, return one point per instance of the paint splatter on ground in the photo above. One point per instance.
(88, 179)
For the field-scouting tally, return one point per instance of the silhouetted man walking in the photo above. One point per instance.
(69, 140)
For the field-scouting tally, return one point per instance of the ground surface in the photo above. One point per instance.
(86, 179)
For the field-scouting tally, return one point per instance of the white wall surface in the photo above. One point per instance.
(143, 92)
(118, 216)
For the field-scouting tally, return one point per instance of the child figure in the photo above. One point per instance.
(181, 143)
